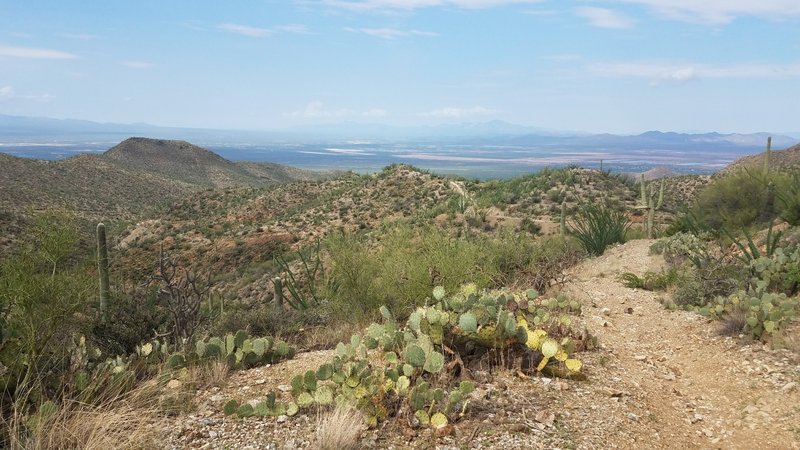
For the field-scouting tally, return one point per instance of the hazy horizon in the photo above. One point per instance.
(615, 66)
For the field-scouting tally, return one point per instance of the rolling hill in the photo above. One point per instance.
(137, 176)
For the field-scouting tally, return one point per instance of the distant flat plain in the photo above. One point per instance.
(471, 161)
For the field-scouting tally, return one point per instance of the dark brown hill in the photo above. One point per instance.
(180, 160)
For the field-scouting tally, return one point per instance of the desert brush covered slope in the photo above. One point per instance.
(414, 310)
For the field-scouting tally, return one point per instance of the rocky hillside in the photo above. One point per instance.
(788, 159)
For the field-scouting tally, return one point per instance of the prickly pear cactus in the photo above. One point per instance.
(394, 366)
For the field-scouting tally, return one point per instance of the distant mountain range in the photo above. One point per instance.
(18, 129)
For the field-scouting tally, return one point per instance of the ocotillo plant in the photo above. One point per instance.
(102, 268)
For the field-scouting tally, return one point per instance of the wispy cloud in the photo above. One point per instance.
(378, 5)
(7, 93)
(317, 110)
(720, 12)
(79, 36)
(390, 33)
(261, 32)
(659, 72)
(458, 113)
(137, 64)
(604, 17)
(8, 51)
(374, 112)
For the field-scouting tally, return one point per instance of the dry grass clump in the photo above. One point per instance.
(339, 429)
(129, 421)
(213, 373)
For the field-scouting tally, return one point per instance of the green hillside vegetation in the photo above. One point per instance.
(419, 282)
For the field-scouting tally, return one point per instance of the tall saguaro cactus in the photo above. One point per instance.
(767, 155)
(102, 268)
(644, 191)
(278, 283)
(651, 212)
(562, 229)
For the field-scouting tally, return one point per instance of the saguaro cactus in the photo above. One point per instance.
(767, 155)
(650, 217)
(278, 283)
(660, 195)
(562, 229)
(102, 268)
(644, 191)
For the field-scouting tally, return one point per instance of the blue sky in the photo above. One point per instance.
(620, 66)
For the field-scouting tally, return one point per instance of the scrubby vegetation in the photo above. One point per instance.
(417, 281)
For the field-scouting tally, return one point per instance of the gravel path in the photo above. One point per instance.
(676, 382)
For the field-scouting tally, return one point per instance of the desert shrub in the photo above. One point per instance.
(549, 259)
(400, 270)
(652, 281)
(788, 199)
(742, 199)
(598, 226)
(44, 302)
(682, 247)
(689, 291)
(733, 202)
(530, 226)
(267, 320)
(131, 319)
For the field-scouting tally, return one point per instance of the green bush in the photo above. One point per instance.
(741, 200)
(44, 300)
(598, 226)
(400, 270)
(131, 319)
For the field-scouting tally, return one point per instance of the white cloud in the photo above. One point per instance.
(246, 30)
(260, 32)
(7, 93)
(390, 33)
(291, 28)
(458, 113)
(604, 18)
(681, 72)
(377, 5)
(8, 51)
(720, 12)
(138, 64)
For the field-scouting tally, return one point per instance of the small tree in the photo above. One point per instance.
(182, 291)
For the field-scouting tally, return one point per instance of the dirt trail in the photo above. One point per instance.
(667, 379)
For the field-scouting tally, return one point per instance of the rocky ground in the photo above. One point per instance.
(660, 380)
